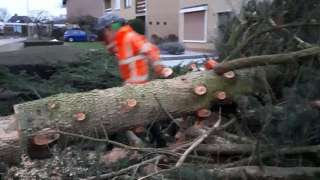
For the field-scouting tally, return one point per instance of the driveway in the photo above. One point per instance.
(186, 58)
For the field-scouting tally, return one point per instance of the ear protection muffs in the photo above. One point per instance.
(116, 26)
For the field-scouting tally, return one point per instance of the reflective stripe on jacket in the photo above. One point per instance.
(133, 53)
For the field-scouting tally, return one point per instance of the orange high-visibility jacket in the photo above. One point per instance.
(133, 52)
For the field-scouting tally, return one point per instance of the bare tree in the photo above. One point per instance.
(3, 14)
(40, 18)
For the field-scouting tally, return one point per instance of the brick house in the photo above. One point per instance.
(200, 20)
(195, 22)
(18, 25)
(126, 8)
(160, 19)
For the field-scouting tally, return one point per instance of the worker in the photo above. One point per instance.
(134, 54)
(133, 51)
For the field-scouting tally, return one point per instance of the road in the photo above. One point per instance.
(11, 44)
(11, 40)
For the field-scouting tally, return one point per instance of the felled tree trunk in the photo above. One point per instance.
(9, 141)
(123, 108)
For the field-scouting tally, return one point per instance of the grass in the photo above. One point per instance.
(87, 45)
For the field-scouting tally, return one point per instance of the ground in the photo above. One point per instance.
(87, 45)
(44, 54)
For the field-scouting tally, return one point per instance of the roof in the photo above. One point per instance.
(59, 21)
(20, 19)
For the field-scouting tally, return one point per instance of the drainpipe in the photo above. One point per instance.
(146, 19)
(179, 22)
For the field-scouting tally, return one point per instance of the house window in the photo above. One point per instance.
(150, 22)
(127, 3)
(165, 23)
(117, 4)
(195, 24)
(64, 3)
(158, 23)
(224, 18)
(107, 5)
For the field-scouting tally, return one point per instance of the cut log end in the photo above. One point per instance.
(167, 72)
(204, 113)
(193, 67)
(200, 90)
(80, 116)
(52, 105)
(180, 137)
(220, 95)
(131, 103)
(229, 75)
(315, 104)
(45, 137)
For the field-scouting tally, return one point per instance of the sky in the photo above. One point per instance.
(54, 7)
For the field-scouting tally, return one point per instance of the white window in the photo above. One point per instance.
(117, 4)
(107, 4)
(195, 24)
(127, 3)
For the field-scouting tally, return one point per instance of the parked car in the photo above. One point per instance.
(76, 35)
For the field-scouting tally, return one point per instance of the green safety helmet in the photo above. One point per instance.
(110, 20)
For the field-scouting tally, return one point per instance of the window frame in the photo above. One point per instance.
(108, 9)
(196, 9)
(128, 4)
(117, 2)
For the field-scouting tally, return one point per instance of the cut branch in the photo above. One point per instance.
(226, 149)
(264, 60)
(267, 172)
(284, 151)
(200, 140)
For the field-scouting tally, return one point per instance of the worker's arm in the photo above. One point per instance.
(152, 52)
